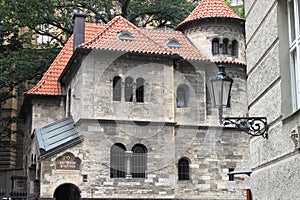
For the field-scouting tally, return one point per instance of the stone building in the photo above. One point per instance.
(126, 113)
(273, 45)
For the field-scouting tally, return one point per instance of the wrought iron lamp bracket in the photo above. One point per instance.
(254, 126)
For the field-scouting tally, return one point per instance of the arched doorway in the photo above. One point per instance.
(67, 192)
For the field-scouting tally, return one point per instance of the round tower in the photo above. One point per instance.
(216, 31)
(219, 34)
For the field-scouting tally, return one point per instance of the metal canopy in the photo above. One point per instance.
(57, 136)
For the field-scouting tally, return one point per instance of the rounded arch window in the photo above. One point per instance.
(129, 89)
(182, 95)
(140, 90)
(117, 161)
(215, 46)
(234, 48)
(225, 46)
(139, 161)
(183, 169)
(117, 88)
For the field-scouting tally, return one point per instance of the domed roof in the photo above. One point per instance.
(210, 9)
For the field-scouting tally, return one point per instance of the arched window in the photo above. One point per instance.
(215, 46)
(182, 96)
(117, 161)
(117, 88)
(139, 90)
(225, 46)
(234, 48)
(129, 89)
(183, 169)
(139, 161)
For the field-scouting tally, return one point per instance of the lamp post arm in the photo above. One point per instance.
(254, 126)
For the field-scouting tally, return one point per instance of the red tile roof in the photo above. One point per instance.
(105, 37)
(187, 50)
(141, 43)
(49, 84)
(208, 9)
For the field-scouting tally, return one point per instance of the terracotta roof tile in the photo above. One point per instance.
(208, 9)
(141, 43)
(187, 50)
(49, 84)
(105, 37)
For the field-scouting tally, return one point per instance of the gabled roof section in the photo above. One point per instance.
(49, 84)
(108, 40)
(210, 9)
(133, 39)
(57, 136)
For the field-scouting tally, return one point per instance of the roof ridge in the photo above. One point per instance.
(210, 9)
(108, 25)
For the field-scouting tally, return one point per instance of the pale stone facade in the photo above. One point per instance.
(168, 132)
(275, 161)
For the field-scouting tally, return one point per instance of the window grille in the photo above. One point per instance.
(183, 169)
(140, 90)
(215, 46)
(139, 161)
(117, 161)
(129, 89)
(117, 88)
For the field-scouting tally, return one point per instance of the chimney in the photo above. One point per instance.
(78, 33)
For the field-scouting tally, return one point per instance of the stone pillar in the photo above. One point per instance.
(128, 156)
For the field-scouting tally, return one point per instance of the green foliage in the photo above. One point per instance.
(21, 21)
(159, 13)
(239, 10)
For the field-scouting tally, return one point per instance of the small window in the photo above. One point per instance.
(117, 88)
(139, 161)
(225, 46)
(117, 161)
(182, 96)
(125, 35)
(173, 43)
(183, 169)
(234, 48)
(140, 90)
(215, 46)
(129, 89)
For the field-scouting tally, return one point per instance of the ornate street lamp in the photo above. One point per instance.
(221, 88)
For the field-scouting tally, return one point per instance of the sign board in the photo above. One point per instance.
(68, 162)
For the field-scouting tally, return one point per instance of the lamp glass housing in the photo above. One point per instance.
(221, 88)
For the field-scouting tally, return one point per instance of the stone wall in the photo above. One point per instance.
(274, 160)
(211, 151)
(43, 111)
(203, 34)
(169, 133)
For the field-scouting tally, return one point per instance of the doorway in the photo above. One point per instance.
(67, 192)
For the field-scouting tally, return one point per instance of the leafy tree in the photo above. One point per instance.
(58, 13)
(239, 10)
(21, 21)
